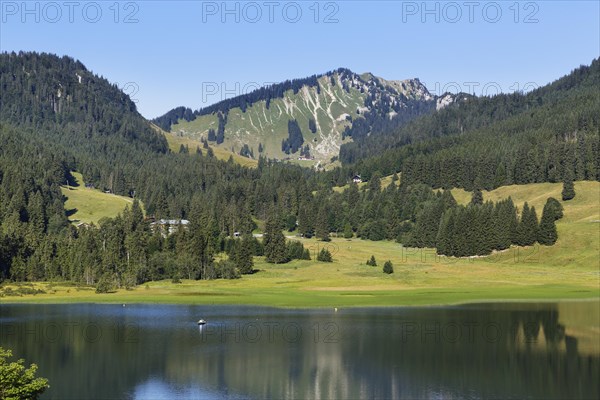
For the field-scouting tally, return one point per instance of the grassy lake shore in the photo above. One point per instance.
(568, 270)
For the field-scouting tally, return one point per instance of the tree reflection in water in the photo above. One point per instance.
(153, 351)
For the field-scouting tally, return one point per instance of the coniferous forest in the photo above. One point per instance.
(487, 142)
(57, 117)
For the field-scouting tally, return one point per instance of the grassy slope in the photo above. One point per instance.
(269, 126)
(578, 246)
(568, 270)
(175, 141)
(91, 205)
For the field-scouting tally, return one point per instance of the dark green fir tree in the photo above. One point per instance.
(547, 233)
(274, 242)
(568, 191)
(477, 197)
(388, 268)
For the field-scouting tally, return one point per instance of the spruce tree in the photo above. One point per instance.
(388, 268)
(306, 254)
(489, 229)
(295, 250)
(375, 182)
(547, 232)
(477, 197)
(512, 220)
(443, 239)
(534, 225)
(527, 231)
(372, 262)
(473, 231)
(556, 207)
(274, 242)
(322, 225)
(306, 221)
(505, 221)
(480, 230)
(521, 234)
(348, 231)
(448, 200)
(324, 256)
(243, 256)
(459, 233)
(428, 222)
(136, 212)
(568, 191)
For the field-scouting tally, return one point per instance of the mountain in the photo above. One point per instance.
(81, 122)
(575, 90)
(57, 117)
(46, 92)
(486, 142)
(308, 118)
(58, 100)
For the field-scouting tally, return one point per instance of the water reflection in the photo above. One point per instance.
(149, 351)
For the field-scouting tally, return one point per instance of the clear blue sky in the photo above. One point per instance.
(182, 52)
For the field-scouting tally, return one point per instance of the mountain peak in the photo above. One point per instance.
(306, 119)
(411, 88)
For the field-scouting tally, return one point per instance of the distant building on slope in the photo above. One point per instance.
(357, 179)
(168, 226)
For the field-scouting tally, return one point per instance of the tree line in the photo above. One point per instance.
(93, 128)
(481, 228)
(264, 93)
(485, 142)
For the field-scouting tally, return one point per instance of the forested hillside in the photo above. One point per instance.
(56, 102)
(487, 142)
(308, 118)
(56, 117)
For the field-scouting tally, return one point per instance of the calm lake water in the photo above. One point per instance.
(523, 350)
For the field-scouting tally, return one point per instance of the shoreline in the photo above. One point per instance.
(304, 307)
(382, 299)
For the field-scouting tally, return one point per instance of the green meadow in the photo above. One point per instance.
(269, 126)
(569, 270)
(175, 141)
(91, 205)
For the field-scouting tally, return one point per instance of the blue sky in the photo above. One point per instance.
(193, 53)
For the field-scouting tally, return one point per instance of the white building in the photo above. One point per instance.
(168, 226)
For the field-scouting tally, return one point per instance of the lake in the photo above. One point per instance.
(501, 350)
